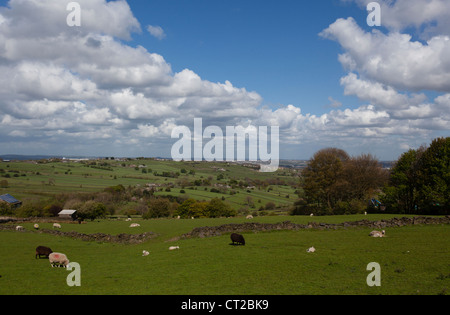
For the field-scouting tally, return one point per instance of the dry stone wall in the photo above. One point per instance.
(203, 232)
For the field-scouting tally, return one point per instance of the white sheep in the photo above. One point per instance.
(311, 215)
(56, 225)
(128, 220)
(174, 247)
(250, 217)
(133, 225)
(19, 228)
(377, 233)
(311, 250)
(145, 253)
(58, 259)
(36, 226)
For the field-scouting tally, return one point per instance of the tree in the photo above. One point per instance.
(363, 176)
(5, 208)
(158, 208)
(323, 177)
(420, 180)
(91, 210)
(433, 178)
(335, 183)
(401, 192)
(216, 208)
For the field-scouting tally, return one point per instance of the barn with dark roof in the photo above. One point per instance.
(13, 202)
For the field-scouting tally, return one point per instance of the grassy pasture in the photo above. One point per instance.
(40, 180)
(414, 260)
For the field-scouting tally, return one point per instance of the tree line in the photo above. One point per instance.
(335, 183)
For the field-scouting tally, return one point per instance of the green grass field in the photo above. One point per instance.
(413, 260)
(40, 180)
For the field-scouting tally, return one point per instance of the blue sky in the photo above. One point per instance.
(134, 70)
(265, 46)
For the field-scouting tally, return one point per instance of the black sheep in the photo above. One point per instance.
(43, 251)
(237, 238)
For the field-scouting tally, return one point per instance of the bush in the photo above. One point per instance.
(5, 208)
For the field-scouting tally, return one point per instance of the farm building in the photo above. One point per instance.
(68, 214)
(11, 200)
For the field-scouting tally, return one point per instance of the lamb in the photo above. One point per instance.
(311, 250)
(43, 251)
(238, 239)
(58, 259)
(133, 225)
(19, 228)
(377, 233)
(174, 247)
(145, 253)
(56, 225)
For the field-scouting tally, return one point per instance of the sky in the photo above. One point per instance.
(122, 81)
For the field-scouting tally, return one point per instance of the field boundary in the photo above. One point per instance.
(203, 232)
(96, 237)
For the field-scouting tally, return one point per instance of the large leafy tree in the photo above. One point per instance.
(420, 180)
(433, 179)
(401, 194)
(323, 177)
(333, 182)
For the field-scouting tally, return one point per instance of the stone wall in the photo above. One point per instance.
(97, 237)
(202, 232)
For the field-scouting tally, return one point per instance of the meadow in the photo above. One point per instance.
(43, 179)
(413, 259)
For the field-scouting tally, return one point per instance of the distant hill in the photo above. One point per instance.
(18, 157)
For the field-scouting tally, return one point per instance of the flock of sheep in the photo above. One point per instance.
(61, 260)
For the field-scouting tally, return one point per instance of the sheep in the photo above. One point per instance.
(128, 220)
(311, 215)
(19, 228)
(133, 225)
(377, 233)
(237, 238)
(249, 217)
(145, 253)
(58, 259)
(43, 251)
(36, 226)
(311, 250)
(174, 247)
(56, 225)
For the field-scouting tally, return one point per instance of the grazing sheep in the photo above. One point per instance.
(311, 215)
(19, 228)
(133, 225)
(237, 238)
(174, 247)
(250, 217)
(36, 226)
(377, 233)
(128, 220)
(311, 250)
(58, 259)
(43, 251)
(145, 253)
(56, 225)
